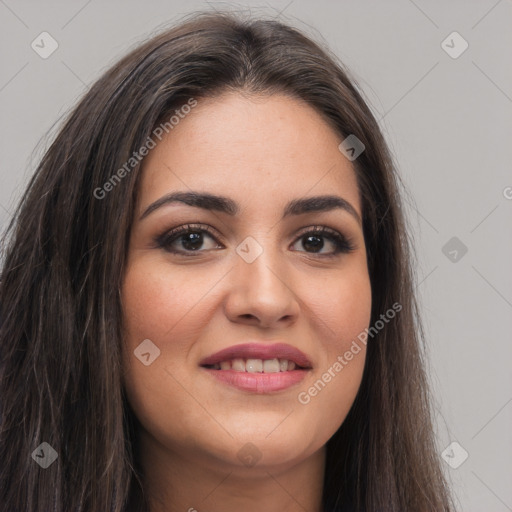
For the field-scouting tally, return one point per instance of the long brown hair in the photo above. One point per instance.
(64, 261)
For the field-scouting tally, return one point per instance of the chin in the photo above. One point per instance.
(264, 451)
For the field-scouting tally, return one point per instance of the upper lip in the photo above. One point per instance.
(259, 351)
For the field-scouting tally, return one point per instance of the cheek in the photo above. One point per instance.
(157, 302)
(342, 305)
(342, 309)
(164, 307)
(146, 296)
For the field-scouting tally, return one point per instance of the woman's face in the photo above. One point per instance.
(261, 283)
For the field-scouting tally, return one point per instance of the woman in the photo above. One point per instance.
(207, 300)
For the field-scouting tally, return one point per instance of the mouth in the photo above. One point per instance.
(257, 367)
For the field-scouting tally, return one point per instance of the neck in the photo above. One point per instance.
(175, 481)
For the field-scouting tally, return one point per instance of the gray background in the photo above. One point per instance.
(448, 123)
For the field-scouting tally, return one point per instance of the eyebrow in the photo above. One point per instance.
(226, 205)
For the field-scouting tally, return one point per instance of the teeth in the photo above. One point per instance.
(238, 365)
(256, 365)
(225, 365)
(271, 366)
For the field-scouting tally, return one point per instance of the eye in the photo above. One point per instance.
(188, 240)
(313, 241)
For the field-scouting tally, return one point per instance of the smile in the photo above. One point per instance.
(256, 365)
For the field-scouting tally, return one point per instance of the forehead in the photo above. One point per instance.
(255, 149)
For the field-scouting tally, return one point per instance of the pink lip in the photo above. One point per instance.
(258, 351)
(258, 382)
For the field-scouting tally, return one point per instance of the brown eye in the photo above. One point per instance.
(187, 240)
(314, 242)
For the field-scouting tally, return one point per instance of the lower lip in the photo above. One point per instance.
(259, 382)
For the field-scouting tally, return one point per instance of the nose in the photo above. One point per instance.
(261, 293)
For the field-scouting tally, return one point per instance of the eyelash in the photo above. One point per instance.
(342, 243)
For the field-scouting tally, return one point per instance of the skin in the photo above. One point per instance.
(261, 152)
